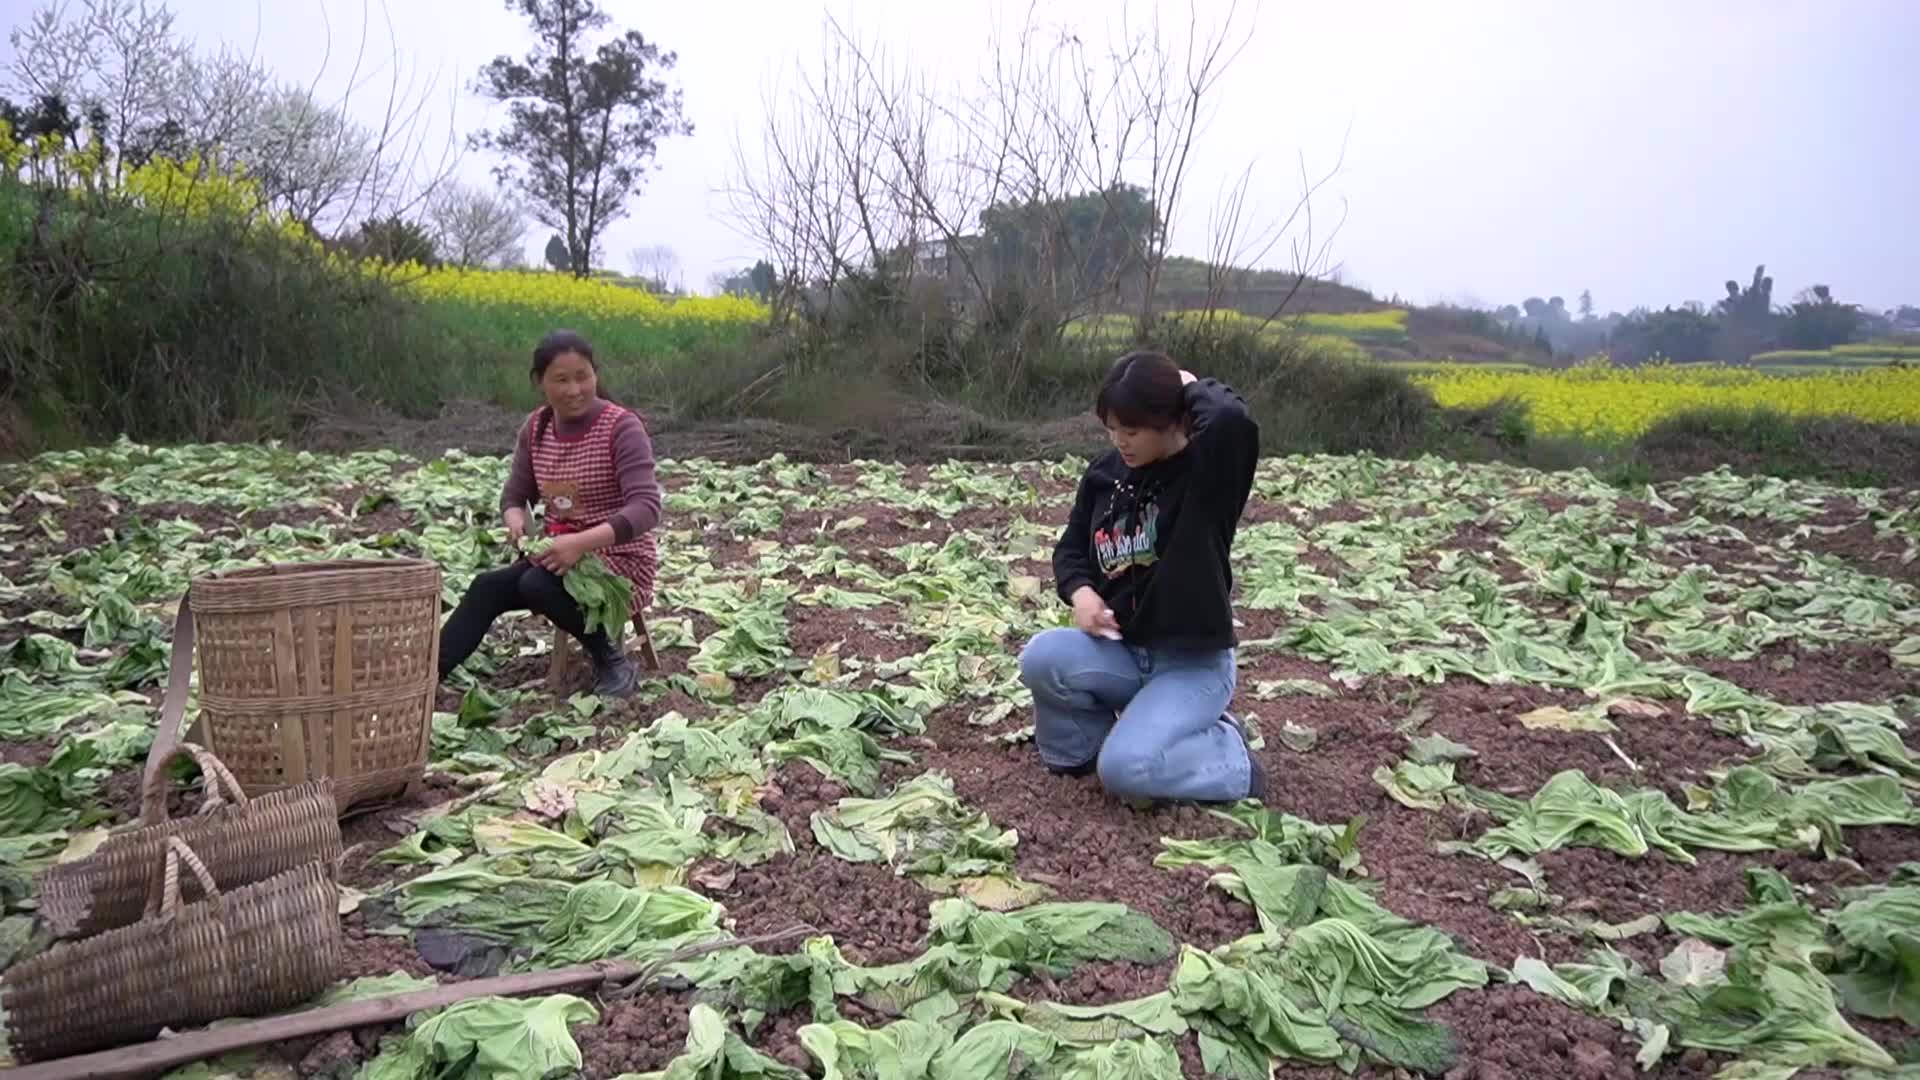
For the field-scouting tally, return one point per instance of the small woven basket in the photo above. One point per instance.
(310, 670)
(258, 949)
(239, 840)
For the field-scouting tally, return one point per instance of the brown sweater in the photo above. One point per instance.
(632, 463)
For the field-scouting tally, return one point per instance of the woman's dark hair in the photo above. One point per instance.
(1143, 390)
(556, 344)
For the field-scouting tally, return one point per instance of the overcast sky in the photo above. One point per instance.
(1647, 150)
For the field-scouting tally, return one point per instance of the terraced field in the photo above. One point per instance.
(1568, 781)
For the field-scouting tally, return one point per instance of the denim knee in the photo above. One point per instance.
(1042, 661)
(1124, 770)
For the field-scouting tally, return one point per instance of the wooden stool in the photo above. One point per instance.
(566, 654)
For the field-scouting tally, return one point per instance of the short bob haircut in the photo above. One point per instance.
(1143, 389)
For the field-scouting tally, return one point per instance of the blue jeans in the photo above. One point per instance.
(1153, 718)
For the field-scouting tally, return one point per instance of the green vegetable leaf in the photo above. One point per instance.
(489, 1038)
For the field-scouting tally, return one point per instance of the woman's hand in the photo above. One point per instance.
(565, 554)
(516, 527)
(1091, 614)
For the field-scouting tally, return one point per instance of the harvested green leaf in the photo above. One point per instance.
(991, 1050)
(1694, 963)
(1877, 966)
(1272, 836)
(370, 987)
(30, 801)
(488, 1038)
(1297, 738)
(605, 598)
(850, 756)
(1245, 1018)
(1054, 937)
(1267, 689)
(1558, 718)
(1436, 748)
(921, 829)
(600, 920)
(1421, 787)
(898, 1051)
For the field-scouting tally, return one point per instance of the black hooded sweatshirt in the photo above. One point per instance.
(1153, 541)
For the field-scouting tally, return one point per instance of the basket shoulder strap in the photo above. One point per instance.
(166, 734)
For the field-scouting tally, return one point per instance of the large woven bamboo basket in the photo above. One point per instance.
(258, 949)
(320, 669)
(239, 840)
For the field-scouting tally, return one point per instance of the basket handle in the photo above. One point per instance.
(218, 776)
(166, 735)
(177, 853)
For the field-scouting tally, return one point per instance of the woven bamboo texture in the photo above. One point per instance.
(323, 669)
(240, 840)
(257, 949)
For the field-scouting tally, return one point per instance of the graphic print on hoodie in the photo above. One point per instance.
(1124, 543)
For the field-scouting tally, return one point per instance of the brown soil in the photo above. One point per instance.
(638, 1034)
(1670, 751)
(1512, 1033)
(1860, 547)
(1609, 887)
(1857, 544)
(31, 754)
(1078, 842)
(1484, 543)
(778, 1037)
(1793, 674)
(1098, 983)
(875, 916)
(368, 954)
(814, 627)
(1882, 848)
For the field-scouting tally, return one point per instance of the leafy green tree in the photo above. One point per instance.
(1748, 320)
(396, 240)
(1818, 321)
(1076, 246)
(47, 114)
(1681, 334)
(582, 125)
(756, 281)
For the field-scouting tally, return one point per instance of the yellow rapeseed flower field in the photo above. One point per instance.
(546, 291)
(1602, 401)
(517, 306)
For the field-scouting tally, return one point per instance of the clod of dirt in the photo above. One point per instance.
(1592, 1060)
(637, 1034)
(337, 1057)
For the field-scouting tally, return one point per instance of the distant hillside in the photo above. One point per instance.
(1427, 334)
(1184, 284)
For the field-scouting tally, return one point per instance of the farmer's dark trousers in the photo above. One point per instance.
(524, 586)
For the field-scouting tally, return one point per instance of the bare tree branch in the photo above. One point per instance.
(1058, 175)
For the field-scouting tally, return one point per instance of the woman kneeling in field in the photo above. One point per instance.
(1138, 688)
(589, 462)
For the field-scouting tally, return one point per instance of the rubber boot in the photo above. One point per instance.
(613, 671)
